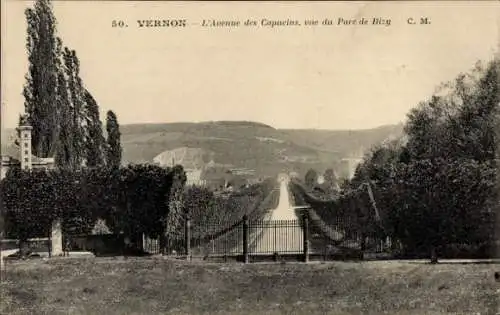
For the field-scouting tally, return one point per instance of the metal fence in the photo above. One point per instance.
(271, 237)
(248, 240)
(245, 240)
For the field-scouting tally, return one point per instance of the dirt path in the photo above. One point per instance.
(281, 233)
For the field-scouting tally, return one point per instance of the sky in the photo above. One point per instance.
(323, 77)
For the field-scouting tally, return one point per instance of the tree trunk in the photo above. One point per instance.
(163, 243)
(363, 241)
(23, 248)
(49, 244)
(434, 257)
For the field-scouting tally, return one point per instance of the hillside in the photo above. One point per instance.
(252, 145)
(248, 144)
(344, 142)
(244, 144)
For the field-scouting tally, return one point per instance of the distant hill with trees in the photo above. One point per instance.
(252, 145)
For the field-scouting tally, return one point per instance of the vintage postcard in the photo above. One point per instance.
(285, 157)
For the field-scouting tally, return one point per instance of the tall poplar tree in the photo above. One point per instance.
(175, 214)
(62, 112)
(65, 143)
(76, 112)
(113, 145)
(41, 87)
(94, 139)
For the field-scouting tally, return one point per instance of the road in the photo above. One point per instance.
(281, 231)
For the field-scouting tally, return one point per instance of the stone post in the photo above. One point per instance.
(56, 238)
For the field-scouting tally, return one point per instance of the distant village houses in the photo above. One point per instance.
(206, 174)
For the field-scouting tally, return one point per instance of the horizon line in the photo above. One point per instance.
(259, 123)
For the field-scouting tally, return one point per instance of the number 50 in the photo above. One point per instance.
(118, 23)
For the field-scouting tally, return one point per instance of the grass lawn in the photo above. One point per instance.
(157, 286)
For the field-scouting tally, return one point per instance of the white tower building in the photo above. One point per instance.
(25, 146)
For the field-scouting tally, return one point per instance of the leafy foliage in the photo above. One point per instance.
(311, 178)
(94, 140)
(202, 205)
(113, 148)
(437, 186)
(143, 199)
(40, 91)
(63, 114)
(133, 200)
(22, 218)
(330, 177)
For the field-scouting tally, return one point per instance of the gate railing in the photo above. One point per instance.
(246, 238)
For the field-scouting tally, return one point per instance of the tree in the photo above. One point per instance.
(63, 114)
(34, 199)
(94, 138)
(438, 188)
(28, 202)
(311, 178)
(109, 186)
(459, 121)
(41, 88)
(432, 206)
(64, 147)
(113, 149)
(75, 200)
(141, 206)
(75, 111)
(479, 114)
(426, 129)
(176, 214)
(202, 206)
(331, 179)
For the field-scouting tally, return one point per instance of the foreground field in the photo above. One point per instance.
(156, 286)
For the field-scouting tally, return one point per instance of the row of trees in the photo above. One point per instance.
(214, 215)
(62, 111)
(204, 206)
(132, 200)
(330, 184)
(438, 186)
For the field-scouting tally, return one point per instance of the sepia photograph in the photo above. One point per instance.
(251, 157)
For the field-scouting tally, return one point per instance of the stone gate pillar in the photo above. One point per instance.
(56, 238)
